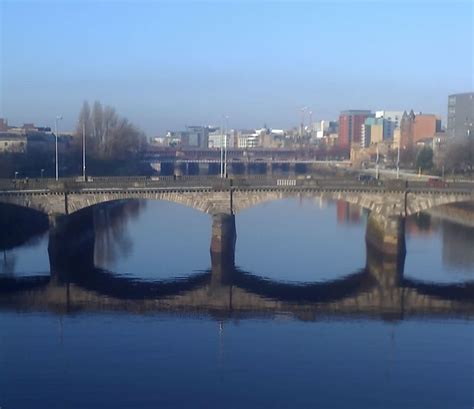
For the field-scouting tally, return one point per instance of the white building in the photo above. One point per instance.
(248, 139)
(216, 139)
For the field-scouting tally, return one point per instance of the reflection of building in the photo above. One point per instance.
(348, 213)
(460, 114)
(458, 245)
(420, 224)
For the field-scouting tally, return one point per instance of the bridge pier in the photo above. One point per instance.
(292, 169)
(387, 271)
(222, 249)
(71, 244)
(269, 169)
(386, 234)
(203, 168)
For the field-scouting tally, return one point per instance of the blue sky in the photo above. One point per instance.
(167, 64)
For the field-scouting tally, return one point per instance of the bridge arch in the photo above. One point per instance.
(422, 202)
(245, 199)
(206, 201)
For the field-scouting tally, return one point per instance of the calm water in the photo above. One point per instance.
(101, 340)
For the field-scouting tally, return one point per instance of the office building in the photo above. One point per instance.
(460, 115)
(350, 127)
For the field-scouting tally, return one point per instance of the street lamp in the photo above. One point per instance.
(16, 174)
(398, 161)
(225, 146)
(84, 151)
(222, 150)
(42, 172)
(58, 118)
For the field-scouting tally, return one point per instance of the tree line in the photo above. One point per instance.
(108, 135)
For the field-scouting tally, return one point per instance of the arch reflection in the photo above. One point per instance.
(379, 289)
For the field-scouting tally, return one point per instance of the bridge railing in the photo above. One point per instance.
(262, 181)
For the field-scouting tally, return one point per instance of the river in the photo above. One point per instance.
(302, 315)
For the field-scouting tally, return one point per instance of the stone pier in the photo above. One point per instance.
(71, 244)
(223, 248)
(386, 234)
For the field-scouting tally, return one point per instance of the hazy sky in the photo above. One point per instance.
(167, 64)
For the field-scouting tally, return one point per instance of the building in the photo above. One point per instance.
(3, 125)
(392, 121)
(193, 136)
(217, 139)
(248, 139)
(12, 143)
(460, 114)
(417, 127)
(350, 127)
(198, 136)
(372, 131)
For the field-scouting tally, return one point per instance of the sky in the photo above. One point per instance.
(165, 65)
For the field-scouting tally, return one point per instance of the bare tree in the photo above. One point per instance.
(98, 122)
(84, 120)
(110, 136)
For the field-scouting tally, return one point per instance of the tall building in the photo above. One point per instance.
(392, 121)
(3, 125)
(372, 131)
(460, 114)
(350, 127)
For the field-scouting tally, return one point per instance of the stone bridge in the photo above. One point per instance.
(389, 202)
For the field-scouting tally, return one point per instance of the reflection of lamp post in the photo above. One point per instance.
(58, 118)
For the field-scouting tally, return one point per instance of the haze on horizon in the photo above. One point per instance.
(165, 65)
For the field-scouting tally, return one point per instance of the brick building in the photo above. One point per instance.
(350, 127)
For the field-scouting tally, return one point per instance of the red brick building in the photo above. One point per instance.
(350, 127)
(414, 128)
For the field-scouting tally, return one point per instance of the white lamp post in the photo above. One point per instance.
(58, 118)
(84, 152)
(225, 146)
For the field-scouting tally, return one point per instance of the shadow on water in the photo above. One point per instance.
(19, 225)
(378, 289)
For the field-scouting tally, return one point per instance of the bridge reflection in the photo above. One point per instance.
(377, 290)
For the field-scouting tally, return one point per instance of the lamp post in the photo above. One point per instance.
(84, 151)
(58, 118)
(222, 149)
(377, 164)
(225, 146)
(16, 174)
(42, 172)
(398, 161)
